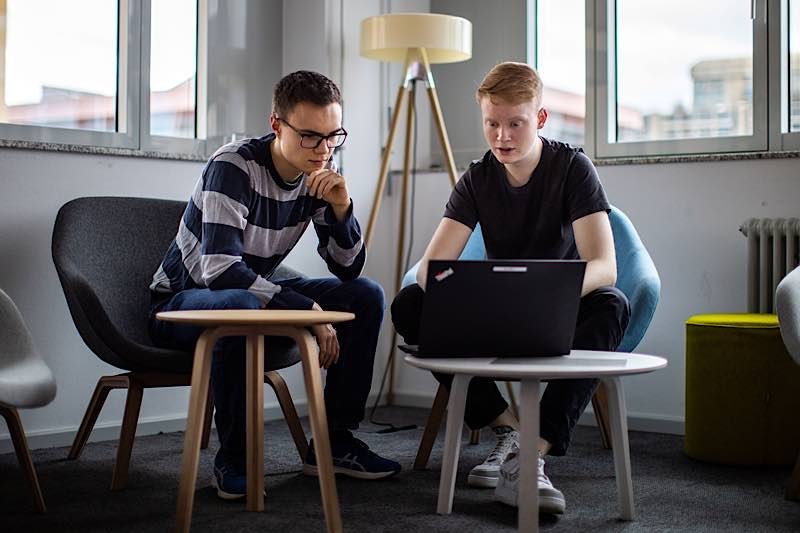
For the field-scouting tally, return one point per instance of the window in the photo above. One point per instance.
(698, 77)
(60, 69)
(560, 58)
(648, 77)
(793, 27)
(173, 68)
(75, 76)
(670, 82)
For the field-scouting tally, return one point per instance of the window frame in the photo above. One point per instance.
(780, 137)
(163, 143)
(133, 94)
(603, 63)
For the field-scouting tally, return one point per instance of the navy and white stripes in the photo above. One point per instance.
(243, 220)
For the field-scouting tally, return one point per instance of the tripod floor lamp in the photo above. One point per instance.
(417, 40)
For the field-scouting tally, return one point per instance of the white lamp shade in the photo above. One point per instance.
(445, 38)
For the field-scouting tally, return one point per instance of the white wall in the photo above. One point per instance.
(34, 185)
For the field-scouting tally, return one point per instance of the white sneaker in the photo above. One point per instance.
(485, 475)
(551, 500)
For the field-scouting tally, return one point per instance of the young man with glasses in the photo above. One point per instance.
(253, 202)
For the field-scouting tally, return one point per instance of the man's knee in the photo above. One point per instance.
(368, 292)
(610, 300)
(366, 295)
(406, 312)
(407, 302)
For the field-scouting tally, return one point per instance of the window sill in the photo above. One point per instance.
(694, 158)
(98, 150)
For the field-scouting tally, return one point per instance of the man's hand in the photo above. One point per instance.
(330, 186)
(326, 340)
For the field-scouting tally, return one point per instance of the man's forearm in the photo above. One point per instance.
(599, 273)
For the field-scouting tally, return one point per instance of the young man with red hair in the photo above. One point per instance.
(535, 198)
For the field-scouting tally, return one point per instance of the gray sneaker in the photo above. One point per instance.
(551, 500)
(485, 475)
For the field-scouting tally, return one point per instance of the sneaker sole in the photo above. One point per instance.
(551, 505)
(229, 496)
(311, 470)
(481, 482)
(547, 504)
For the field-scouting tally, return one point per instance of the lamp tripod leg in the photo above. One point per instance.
(443, 140)
(407, 163)
(387, 153)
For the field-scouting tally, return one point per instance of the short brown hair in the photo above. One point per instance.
(303, 86)
(511, 82)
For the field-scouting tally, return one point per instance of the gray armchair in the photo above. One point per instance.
(25, 381)
(787, 305)
(105, 251)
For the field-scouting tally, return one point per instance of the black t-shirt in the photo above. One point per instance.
(533, 221)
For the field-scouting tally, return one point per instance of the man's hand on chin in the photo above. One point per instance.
(329, 185)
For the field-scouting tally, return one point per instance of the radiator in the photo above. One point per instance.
(772, 252)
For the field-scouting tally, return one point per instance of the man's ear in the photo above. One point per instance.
(541, 118)
(274, 123)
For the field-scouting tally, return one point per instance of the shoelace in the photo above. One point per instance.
(501, 449)
(541, 475)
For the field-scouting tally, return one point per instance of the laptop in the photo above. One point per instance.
(499, 308)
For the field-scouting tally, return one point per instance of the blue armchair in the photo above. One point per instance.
(637, 278)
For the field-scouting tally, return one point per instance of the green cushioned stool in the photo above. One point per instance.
(742, 391)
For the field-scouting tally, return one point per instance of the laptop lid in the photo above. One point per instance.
(500, 308)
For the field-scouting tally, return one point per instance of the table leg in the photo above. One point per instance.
(198, 396)
(254, 401)
(452, 442)
(528, 488)
(309, 352)
(619, 439)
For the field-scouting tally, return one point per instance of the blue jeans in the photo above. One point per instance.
(348, 381)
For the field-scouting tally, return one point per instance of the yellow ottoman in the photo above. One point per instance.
(742, 391)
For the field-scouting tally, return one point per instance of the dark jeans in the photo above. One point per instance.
(348, 381)
(602, 319)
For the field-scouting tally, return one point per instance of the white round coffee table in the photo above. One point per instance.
(606, 366)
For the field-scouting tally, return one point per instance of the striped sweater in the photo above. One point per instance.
(243, 220)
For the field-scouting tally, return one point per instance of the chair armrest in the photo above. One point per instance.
(787, 306)
(643, 290)
(89, 315)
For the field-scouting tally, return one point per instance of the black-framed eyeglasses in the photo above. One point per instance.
(312, 139)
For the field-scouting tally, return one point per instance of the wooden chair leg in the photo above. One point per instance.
(278, 384)
(600, 406)
(207, 421)
(23, 455)
(127, 434)
(104, 385)
(431, 428)
(793, 489)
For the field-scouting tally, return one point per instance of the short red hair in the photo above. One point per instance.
(511, 82)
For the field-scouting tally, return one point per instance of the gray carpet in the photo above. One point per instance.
(672, 492)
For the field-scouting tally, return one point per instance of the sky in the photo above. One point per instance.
(76, 49)
(657, 43)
